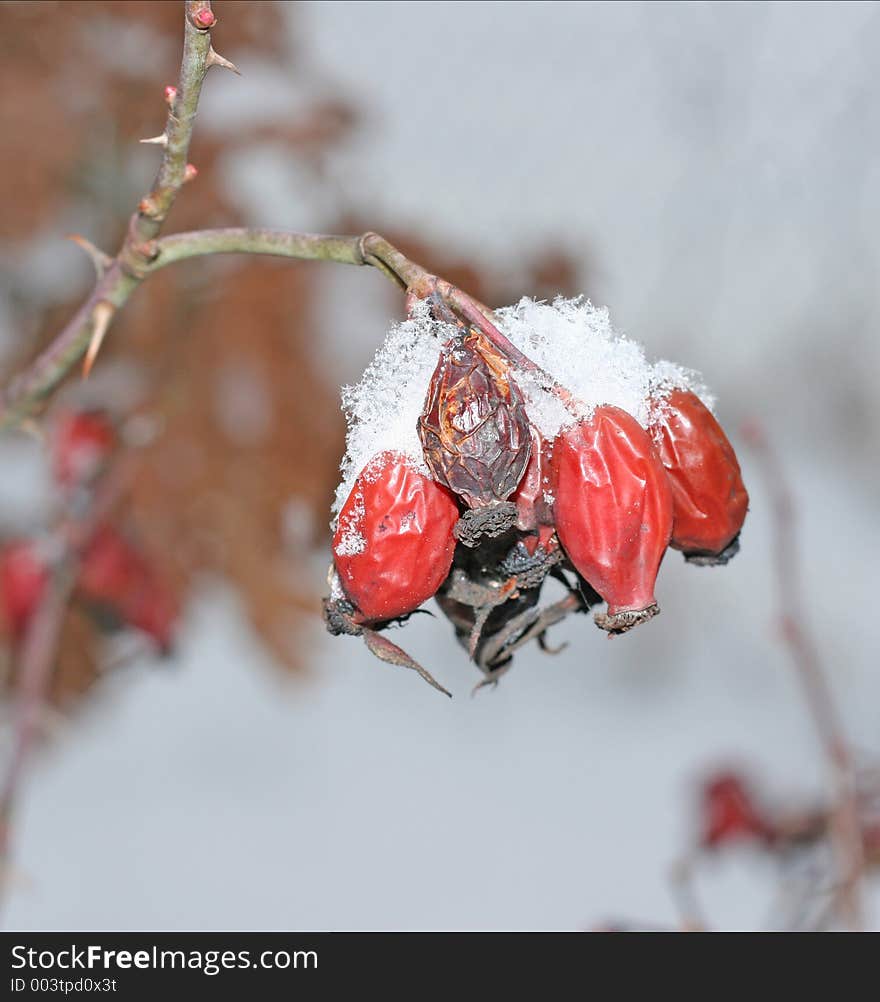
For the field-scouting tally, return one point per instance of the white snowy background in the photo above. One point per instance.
(715, 166)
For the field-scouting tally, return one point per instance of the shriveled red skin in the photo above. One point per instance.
(613, 507)
(531, 507)
(23, 577)
(81, 443)
(405, 521)
(534, 512)
(709, 499)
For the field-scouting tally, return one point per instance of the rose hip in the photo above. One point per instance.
(23, 577)
(81, 443)
(729, 814)
(118, 578)
(474, 429)
(709, 499)
(393, 544)
(613, 511)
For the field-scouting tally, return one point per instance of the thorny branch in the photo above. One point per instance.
(119, 277)
(143, 252)
(120, 280)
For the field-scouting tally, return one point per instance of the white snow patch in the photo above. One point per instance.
(351, 538)
(668, 376)
(575, 343)
(572, 340)
(383, 409)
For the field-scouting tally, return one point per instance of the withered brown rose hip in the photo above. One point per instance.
(709, 499)
(473, 428)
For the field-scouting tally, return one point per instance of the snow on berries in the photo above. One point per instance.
(488, 454)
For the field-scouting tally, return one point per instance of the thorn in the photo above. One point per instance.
(170, 95)
(156, 140)
(215, 59)
(147, 207)
(100, 260)
(101, 317)
(190, 173)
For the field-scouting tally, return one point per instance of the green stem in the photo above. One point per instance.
(238, 240)
(153, 209)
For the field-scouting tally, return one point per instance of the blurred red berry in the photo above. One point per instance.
(729, 813)
(116, 576)
(613, 511)
(82, 442)
(23, 576)
(709, 499)
(393, 544)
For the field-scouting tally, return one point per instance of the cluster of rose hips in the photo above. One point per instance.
(503, 508)
(115, 581)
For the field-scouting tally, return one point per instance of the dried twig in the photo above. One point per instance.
(846, 827)
(36, 656)
(36, 662)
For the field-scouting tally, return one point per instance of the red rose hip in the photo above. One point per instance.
(81, 444)
(709, 499)
(613, 512)
(23, 577)
(116, 575)
(393, 544)
(729, 814)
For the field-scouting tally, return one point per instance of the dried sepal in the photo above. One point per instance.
(391, 654)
